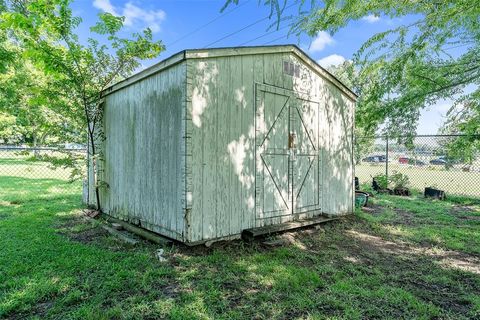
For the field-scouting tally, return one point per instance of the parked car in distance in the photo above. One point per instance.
(414, 162)
(377, 158)
(438, 162)
(403, 160)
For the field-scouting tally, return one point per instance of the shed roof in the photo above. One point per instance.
(231, 51)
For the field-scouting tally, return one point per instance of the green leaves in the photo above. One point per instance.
(52, 81)
(38, 106)
(399, 180)
(79, 72)
(7, 54)
(7, 126)
(401, 71)
(142, 47)
(46, 31)
(108, 24)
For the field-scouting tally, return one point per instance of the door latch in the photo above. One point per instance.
(291, 140)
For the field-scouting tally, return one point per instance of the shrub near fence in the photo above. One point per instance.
(49, 166)
(426, 162)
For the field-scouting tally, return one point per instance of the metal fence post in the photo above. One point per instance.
(386, 157)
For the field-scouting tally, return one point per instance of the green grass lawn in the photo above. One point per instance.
(400, 258)
(12, 164)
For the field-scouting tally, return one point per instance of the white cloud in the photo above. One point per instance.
(134, 15)
(331, 60)
(442, 106)
(105, 5)
(322, 40)
(371, 18)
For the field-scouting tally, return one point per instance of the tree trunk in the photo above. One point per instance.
(36, 153)
(43, 137)
(92, 155)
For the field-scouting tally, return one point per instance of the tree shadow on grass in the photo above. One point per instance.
(344, 270)
(349, 269)
(452, 224)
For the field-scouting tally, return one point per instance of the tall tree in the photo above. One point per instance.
(364, 140)
(6, 55)
(407, 68)
(463, 118)
(47, 31)
(36, 104)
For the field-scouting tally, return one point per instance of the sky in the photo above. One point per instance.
(191, 24)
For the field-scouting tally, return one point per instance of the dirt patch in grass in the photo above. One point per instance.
(72, 221)
(41, 309)
(445, 258)
(404, 217)
(172, 290)
(201, 250)
(411, 265)
(445, 296)
(462, 209)
(88, 236)
(81, 229)
(38, 311)
(465, 212)
(471, 218)
(374, 209)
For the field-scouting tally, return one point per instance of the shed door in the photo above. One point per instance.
(287, 173)
(304, 129)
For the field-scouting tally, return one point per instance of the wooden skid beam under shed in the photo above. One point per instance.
(153, 237)
(250, 234)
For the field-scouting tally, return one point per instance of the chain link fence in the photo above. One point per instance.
(440, 161)
(437, 161)
(42, 169)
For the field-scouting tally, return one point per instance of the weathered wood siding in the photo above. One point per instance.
(336, 140)
(144, 152)
(221, 131)
(221, 146)
(338, 166)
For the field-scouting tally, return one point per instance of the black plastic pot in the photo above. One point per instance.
(405, 192)
(434, 193)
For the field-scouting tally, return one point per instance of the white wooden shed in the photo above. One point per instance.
(211, 142)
